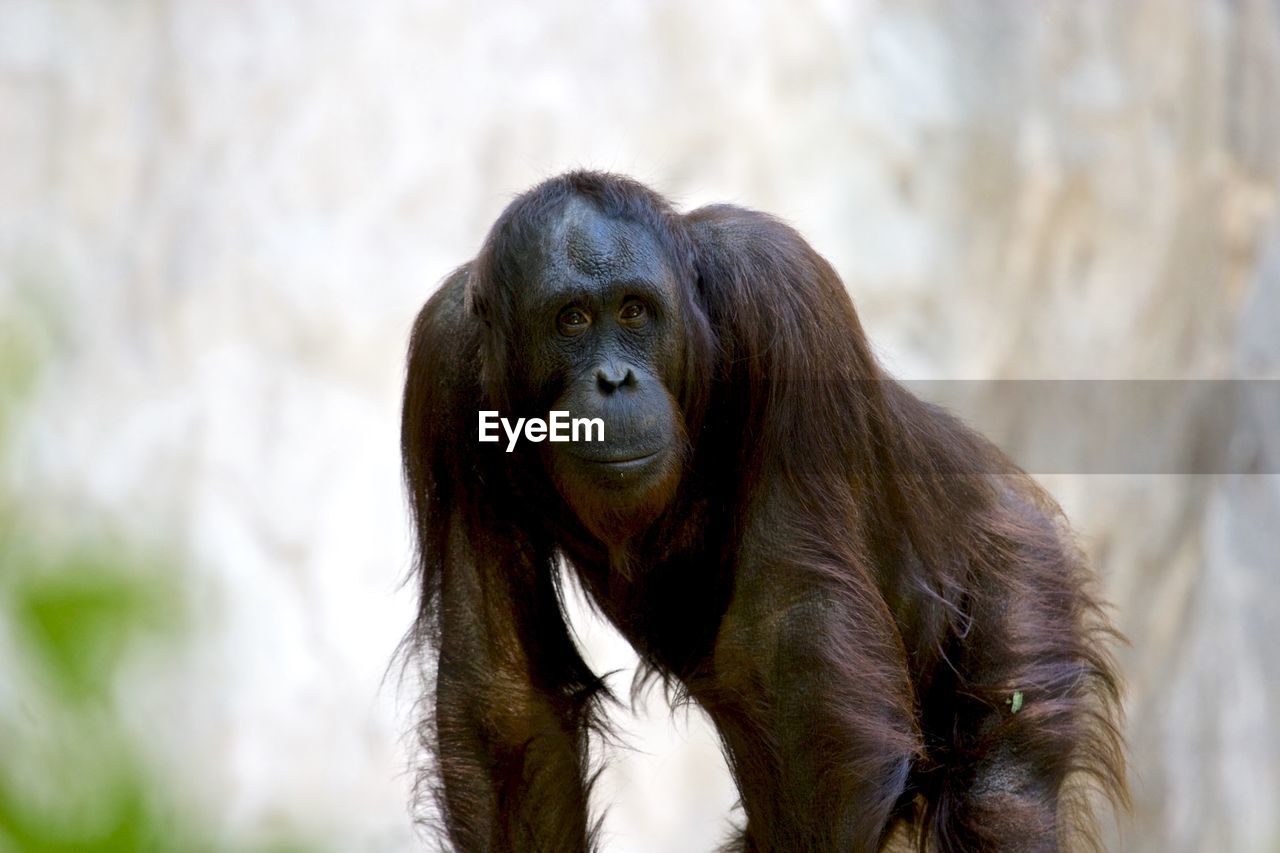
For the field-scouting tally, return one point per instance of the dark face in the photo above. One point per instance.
(600, 329)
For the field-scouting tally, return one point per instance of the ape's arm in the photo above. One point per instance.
(811, 694)
(513, 697)
(510, 727)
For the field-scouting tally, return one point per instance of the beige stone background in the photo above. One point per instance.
(227, 213)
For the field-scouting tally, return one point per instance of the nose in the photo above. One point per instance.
(611, 376)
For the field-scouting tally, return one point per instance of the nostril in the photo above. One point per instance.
(611, 377)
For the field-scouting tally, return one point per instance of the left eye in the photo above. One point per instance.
(632, 311)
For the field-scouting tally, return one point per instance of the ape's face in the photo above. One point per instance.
(600, 330)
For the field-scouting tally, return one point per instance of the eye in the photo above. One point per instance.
(573, 320)
(633, 311)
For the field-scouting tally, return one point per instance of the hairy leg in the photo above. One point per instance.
(1029, 707)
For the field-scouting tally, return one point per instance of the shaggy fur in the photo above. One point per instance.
(850, 582)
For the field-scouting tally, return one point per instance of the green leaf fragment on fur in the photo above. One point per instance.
(1015, 703)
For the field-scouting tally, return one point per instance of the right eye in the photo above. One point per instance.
(573, 320)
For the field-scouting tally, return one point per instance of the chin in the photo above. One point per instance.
(617, 495)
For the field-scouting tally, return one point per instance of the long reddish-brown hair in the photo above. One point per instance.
(955, 578)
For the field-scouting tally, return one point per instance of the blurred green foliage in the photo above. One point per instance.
(78, 619)
(70, 777)
(73, 777)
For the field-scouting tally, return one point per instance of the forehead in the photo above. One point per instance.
(583, 249)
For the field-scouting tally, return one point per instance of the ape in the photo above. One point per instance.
(885, 619)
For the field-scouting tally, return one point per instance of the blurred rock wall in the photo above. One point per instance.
(225, 215)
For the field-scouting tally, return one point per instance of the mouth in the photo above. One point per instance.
(628, 461)
(624, 463)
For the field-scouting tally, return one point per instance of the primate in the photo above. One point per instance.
(887, 621)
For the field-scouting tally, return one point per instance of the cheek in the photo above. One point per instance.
(537, 380)
(669, 358)
(538, 363)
